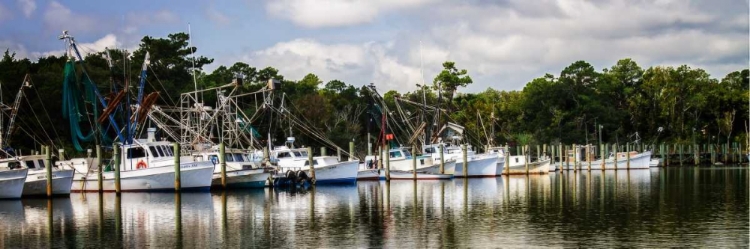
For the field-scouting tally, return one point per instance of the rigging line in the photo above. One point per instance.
(39, 122)
(162, 85)
(46, 113)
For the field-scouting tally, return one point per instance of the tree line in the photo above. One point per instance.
(577, 105)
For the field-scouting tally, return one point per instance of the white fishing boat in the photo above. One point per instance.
(518, 165)
(241, 171)
(327, 168)
(655, 162)
(401, 159)
(484, 165)
(500, 151)
(36, 178)
(637, 161)
(11, 180)
(144, 166)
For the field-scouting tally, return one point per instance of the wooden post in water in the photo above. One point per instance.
(442, 159)
(323, 151)
(614, 150)
(351, 151)
(48, 168)
(177, 175)
(726, 153)
(526, 157)
(266, 155)
(713, 157)
(681, 154)
(627, 154)
(116, 152)
(567, 159)
(338, 153)
(696, 154)
(575, 158)
(380, 158)
(507, 161)
(387, 154)
(552, 156)
(223, 164)
(414, 161)
(544, 150)
(466, 160)
(99, 173)
(538, 153)
(588, 155)
(312, 164)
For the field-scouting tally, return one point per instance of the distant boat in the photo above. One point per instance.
(145, 166)
(477, 166)
(637, 161)
(11, 180)
(401, 159)
(327, 168)
(241, 171)
(518, 165)
(655, 162)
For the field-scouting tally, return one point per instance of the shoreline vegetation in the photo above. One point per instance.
(687, 104)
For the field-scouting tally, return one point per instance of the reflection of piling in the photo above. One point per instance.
(50, 227)
(178, 219)
(118, 218)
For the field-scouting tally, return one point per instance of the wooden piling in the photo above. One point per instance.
(442, 159)
(48, 168)
(680, 154)
(507, 161)
(99, 173)
(575, 158)
(387, 154)
(323, 151)
(177, 173)
(380, 158)
(116, 152)
(466, 160)
(588, 155)
(526, 157)
(414, 161)
(351, 151)
(223, 165)
(311, 160)
(696, 154)
(614, 150)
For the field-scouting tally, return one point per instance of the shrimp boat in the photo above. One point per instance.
(12, 179)
(328, 169)
(482, 165)
(145, 166)
(36, 178)
(518, 165)
(401, 167)
(241, 171)
(614, 161)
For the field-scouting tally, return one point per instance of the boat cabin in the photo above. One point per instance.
(146, 154)
(32, 162)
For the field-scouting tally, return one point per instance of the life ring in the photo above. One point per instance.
(141, 165)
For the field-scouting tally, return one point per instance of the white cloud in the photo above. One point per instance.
(57, 17)
(217, 17)
(335, 13)
(27, 6)
(355, 64)
(108, 41)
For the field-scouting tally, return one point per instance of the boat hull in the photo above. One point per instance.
(370, 174)
(36, 183)
(193, 176)
(12, 182)
(639, 161)
(539, 167)
(654, 162)
(478, 167)
(340, 173)
(251, 178)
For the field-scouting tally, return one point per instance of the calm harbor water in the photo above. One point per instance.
(673, 207)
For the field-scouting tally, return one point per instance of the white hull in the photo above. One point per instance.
(36, 182)
(342, 172)
(195, 175)
(539, 167)
(249, 178)
(478, 167)
(11, 183)
(638, 161)
(370, 174)
(654, 162)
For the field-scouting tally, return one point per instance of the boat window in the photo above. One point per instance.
(429, 150)
(307, 163)
(198, 158)
(153, 151)
(41, 163)
(228, 157)
(407, 153)
(238, 157)
(395, 154)
(283, 155)
(516, 159)
(136, 153)
(167, 150)
(161, 151)
(30, 164)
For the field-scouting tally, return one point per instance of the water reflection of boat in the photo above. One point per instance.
(11, 212)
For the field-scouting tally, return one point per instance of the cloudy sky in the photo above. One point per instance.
(503, 44)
